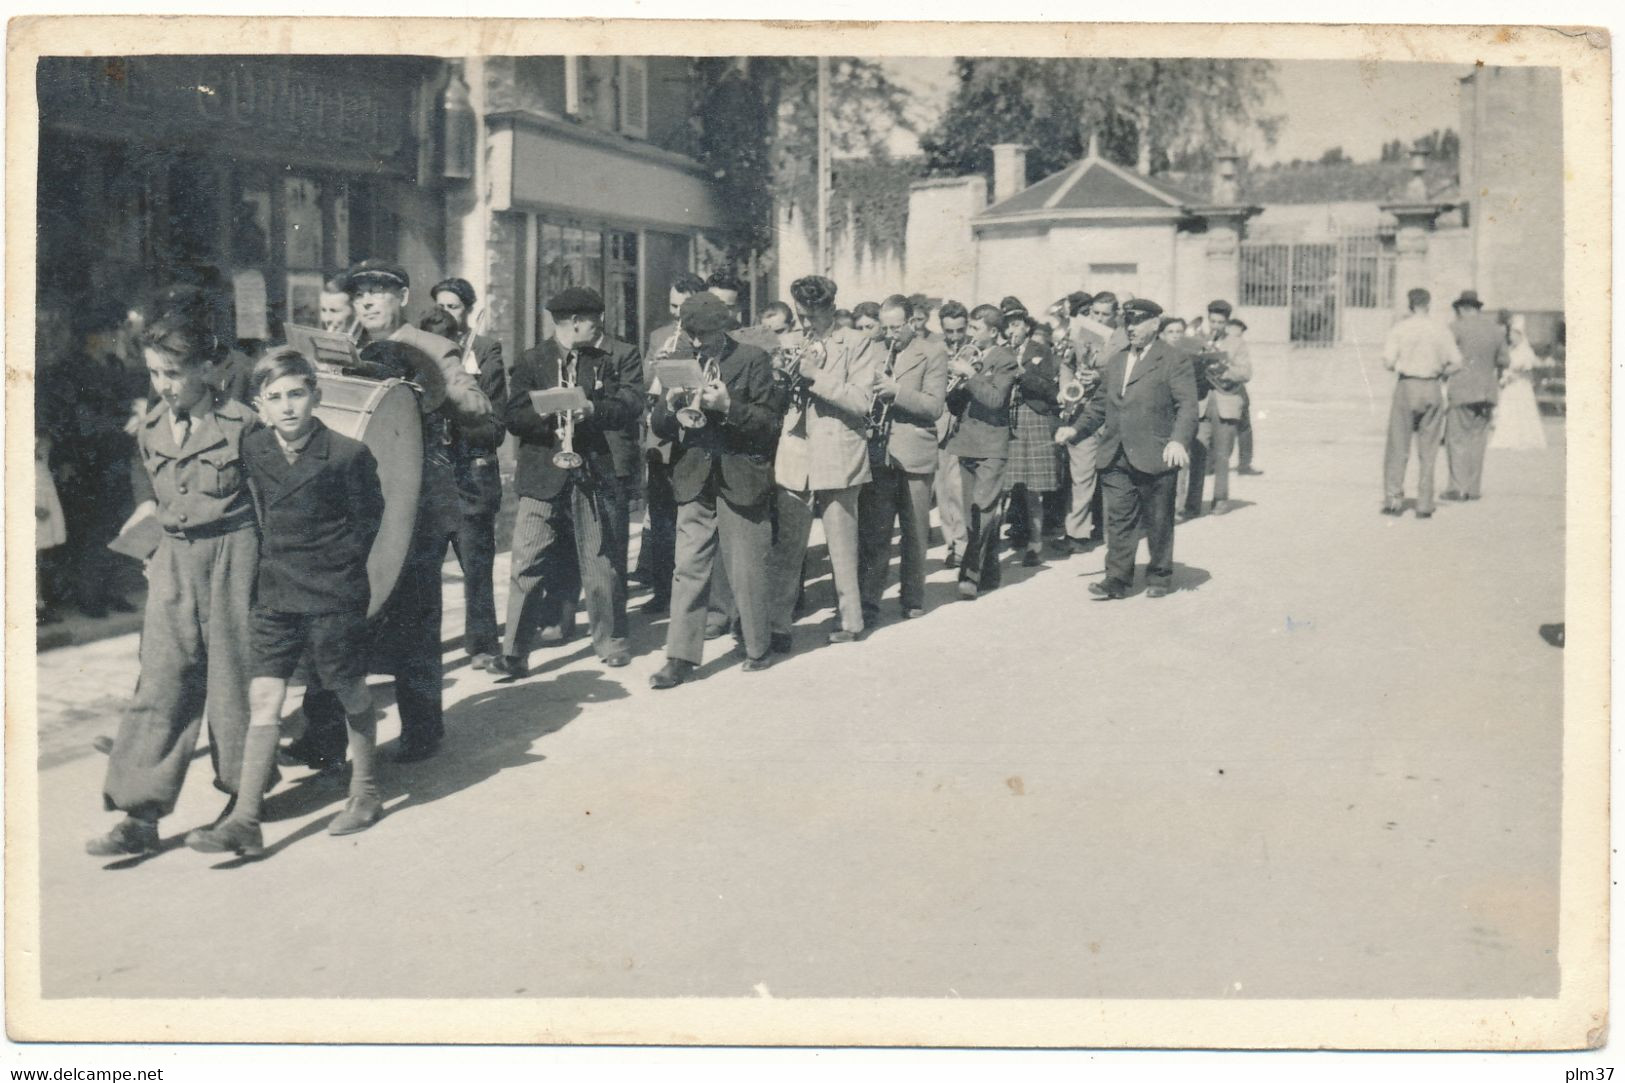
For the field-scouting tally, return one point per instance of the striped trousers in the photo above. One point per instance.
(554, 542)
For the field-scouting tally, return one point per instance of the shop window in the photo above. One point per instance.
(605, 261)
(194, 218)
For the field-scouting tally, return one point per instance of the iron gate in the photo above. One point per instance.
(1316, 280)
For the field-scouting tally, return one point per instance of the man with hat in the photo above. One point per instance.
(567, 515)
(1422, 354)
(722, 479)
(478, 474)
(823, 458)
(1473, 393)
(1146, 417)
(405, 633)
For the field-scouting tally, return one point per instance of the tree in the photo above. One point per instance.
(756, 128)
(1334, 156)
(1145, 113)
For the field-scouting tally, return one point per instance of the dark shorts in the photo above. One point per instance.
(337, 643)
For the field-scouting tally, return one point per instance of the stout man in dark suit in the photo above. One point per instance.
(1146, 416)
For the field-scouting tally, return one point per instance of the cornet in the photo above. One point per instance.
(957, 380)
(689, 415)
(566, 458)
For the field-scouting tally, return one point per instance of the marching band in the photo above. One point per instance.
(738, 438)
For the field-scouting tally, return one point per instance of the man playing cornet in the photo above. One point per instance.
(722, 478)
(565, 481)
(823, 457)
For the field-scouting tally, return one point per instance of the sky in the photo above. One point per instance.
(1357, 105)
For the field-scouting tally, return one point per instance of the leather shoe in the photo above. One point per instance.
(129, 837)
(657, 607)
(756, 665)
(1108, 591)
(228, 837)
(672, 674)
(481, 660)
(416, 751)
(841, 635)
(780, 643)
(510, 666)
(120, 605)
(913, 611)
(1388, 509)
(1424, 515)
(951, 560)
(1452, 494)
(617, 660)
(102, 744)
(1220, 507)
(1249, 471)
(1031, 559)
(716, 629)
(359, 814)
(967, 590)
(1158, 590)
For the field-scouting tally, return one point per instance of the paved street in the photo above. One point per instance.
(1327, 767)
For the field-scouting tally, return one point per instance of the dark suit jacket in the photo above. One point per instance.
(1159, 406)
(624, 449)
(983, 406)
(480, 437)
(614, 403)
(1040, 381)
(737, 447)
(1483, 348)
(318, 519)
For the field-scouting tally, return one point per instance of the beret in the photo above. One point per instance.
(1140, 310)
(1220, 306)
(575, 301)
(384, 270)
(704, 313)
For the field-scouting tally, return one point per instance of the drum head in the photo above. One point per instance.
(385, 417)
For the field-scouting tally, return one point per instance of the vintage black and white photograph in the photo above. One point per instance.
(552, 519)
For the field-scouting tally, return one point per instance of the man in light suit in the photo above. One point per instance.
(1473, 393)
(823, 458)
(1147, 419)
(903, 462)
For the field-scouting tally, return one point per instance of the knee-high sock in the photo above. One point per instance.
(259, 760)
(363, 753)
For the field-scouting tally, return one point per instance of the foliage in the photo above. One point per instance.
(871, 195)
(1444, 146)
(1145, 113)
(757, 120)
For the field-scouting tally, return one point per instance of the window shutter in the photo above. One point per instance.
(635, 96)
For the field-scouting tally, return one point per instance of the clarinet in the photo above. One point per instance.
(880, 419)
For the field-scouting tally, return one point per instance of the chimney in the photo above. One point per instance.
(1009, 170)
(1226, 191)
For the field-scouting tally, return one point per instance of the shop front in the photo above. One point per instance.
(585, 208)
(255, 176)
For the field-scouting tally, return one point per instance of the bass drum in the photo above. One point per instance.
(384, 415)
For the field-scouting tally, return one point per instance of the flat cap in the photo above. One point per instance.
(575, 301)
(1139, 310)
(1468, 298)
(704, 313)
(1221, 306)
(376, 270)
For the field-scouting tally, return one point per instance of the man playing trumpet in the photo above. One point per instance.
(823, 457)
(722, 479)
(566, 482)
(909, 396)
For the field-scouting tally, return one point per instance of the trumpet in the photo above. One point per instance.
(957, 380)
(689, 415)
(567, 458)
(788, 365)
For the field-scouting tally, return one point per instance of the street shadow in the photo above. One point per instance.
(487, 734)
(1186, 577)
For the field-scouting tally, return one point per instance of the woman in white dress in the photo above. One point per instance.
(1517, 417)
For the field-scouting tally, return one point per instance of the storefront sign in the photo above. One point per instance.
(274, 102)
